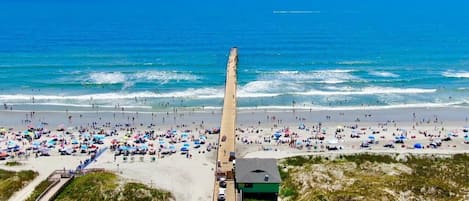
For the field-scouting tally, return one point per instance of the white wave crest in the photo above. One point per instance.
(107, 78)
(129, 79)
(383, 74)
(269, 86)
(456, 74)
(333, 76)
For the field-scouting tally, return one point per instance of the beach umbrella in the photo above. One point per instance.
(184, 135)
(186, 145)
(3, 130)
(84, 147)
(144, 146)
(74, 141)
(196, 141)
(86, 135)
(466, 138)
(98, 137)
(277, 134)
(11, 144)
(418, 146)
(402, 137)
(172, 147)
(184, 148)
(371, 137)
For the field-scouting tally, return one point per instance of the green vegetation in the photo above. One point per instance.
(10, 182)
(101, 186)
(375, 177)
(41, 187)
(13, 163)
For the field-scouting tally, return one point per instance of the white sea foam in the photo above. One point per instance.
(266, 86)
(456, 74)
(129, 79)
(355, 62)
(369, 91)
(383, 74)
(350, 108)
(83, 105)
(107, 78)
(333, 76)
(165, 76)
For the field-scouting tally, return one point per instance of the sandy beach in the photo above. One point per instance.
(260, 133)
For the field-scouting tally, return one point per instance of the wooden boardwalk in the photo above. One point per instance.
(226, 141)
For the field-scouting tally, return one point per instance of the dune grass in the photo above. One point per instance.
(103, 186)
(13, 163)
(375, 177)
(11, 181)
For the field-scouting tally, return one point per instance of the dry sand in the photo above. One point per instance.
(192, 179)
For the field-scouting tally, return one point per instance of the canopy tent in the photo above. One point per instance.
(333, 141)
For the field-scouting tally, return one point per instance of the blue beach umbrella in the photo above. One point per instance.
(402, 137)
(277, 134)
(84, 147)
(144, 146)
(371, 137)
(418, 146)
(98, 137)
(466, 138)
(184, 148)
(172, 147)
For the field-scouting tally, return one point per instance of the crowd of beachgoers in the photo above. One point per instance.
(167, 148)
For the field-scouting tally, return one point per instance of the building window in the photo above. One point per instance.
(248, 185)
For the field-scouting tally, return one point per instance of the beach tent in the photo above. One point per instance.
(418, 146)
(301, 126)
(277, 135)
(184, 148)
(98, 137)
(333, 141)
(84, 147)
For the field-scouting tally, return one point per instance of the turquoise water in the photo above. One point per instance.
(154, 55)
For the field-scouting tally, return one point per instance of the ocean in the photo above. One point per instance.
(155, 56)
